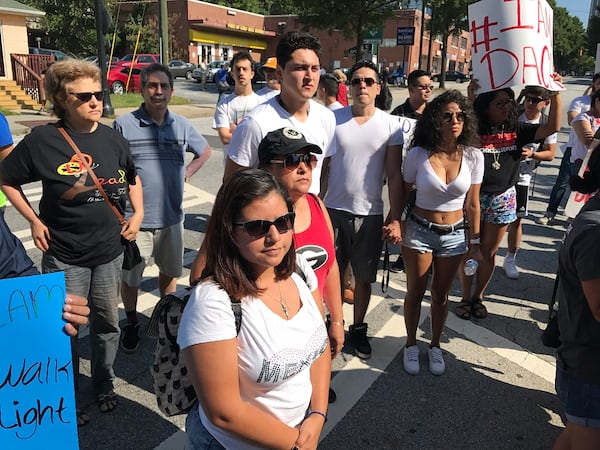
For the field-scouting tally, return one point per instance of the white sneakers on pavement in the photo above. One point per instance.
(411, 360)
(510, 268)
(437, 366)
(546, 219)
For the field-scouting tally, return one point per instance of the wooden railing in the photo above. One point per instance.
(28, 72)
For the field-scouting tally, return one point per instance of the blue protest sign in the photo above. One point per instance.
(37, 399)
(405, 36)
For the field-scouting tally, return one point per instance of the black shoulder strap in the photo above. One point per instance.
(237, 313)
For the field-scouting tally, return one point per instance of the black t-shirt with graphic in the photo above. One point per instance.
(84, 231)
(502, 150)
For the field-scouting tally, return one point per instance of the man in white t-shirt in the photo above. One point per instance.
(232, 109)
(570, 163)
(273, 86)
(328, 91)
(369, 143)
(536, 98)
(298, 68)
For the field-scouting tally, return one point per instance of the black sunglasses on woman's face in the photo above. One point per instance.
(259, 228)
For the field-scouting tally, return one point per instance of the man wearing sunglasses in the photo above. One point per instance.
(158, 140)
(535, 100)
(298, 68)
(369, 149)
(419, 93)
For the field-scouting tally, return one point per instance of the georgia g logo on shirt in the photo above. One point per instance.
(314, 254)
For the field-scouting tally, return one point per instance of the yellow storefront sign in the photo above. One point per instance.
(223, 39)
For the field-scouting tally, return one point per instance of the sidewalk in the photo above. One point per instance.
(22, 123)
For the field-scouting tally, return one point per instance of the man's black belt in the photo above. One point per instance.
(438, 228)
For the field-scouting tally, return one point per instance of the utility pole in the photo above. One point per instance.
(103, 22)
(163, 25)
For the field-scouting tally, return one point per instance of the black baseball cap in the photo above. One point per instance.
(283, 141)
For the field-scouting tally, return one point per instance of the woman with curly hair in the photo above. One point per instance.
(447, 169)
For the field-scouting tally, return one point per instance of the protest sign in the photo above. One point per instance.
(511, 44)
(408, 129)
(37, 399)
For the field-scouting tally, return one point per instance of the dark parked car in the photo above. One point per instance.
(58, 55)
(451, 75)
(181, 69)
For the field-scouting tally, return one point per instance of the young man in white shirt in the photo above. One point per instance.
(232, 109)
(369, 144)
(298, 68)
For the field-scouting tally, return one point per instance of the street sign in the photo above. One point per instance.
(405, 36)
(373, 36)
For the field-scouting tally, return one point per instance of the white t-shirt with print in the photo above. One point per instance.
(318, 129)
(274, 354)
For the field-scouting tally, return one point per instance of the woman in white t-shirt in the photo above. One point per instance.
(446, 168)
(267, 387)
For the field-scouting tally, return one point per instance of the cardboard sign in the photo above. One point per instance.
(511, 44)
(408, 128)
(37, 398)
(577, 199)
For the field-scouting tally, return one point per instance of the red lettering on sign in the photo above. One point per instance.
(486, 34)
(519, 25)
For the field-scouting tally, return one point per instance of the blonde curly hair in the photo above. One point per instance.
(59, 74)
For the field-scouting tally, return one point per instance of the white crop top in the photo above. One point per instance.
(434, 194)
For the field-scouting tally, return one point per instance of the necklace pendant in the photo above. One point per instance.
(496, 165)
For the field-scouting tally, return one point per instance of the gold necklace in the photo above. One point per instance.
(496, 154)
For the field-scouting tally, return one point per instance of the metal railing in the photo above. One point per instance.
(28, 71)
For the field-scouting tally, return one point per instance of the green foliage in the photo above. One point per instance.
(352, 17)
(449, 17)
(569, 40)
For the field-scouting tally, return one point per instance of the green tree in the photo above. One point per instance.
(56, 27)
(352, 17)
(569, 40)
(448, 17)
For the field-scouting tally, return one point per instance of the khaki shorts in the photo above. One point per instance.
(165, 246)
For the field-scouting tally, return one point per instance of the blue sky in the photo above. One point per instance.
(579, 8)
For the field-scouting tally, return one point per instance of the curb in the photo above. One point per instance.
(22, 122)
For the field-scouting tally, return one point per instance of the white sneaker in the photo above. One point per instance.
(546, 219)
(436, 361)
(411, 360)
(510, 268)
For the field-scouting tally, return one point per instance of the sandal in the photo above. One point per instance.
(478, 309)
(107, 401)
(463, 309)
(82, 418)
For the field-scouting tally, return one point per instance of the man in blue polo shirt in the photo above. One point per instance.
(158, 140)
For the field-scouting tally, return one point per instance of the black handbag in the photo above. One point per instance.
(131, 255)
(551, 334)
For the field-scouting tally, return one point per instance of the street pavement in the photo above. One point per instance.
(497, 392)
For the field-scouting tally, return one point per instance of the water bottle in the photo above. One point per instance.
(470, 267)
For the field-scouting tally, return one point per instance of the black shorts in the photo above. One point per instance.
(522, 200)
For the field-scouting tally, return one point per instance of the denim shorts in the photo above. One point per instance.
(424, 240)
(198, 437)
(500, 209)
(581, 400)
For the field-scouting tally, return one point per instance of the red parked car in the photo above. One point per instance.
(117, 80)
(140, 60)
